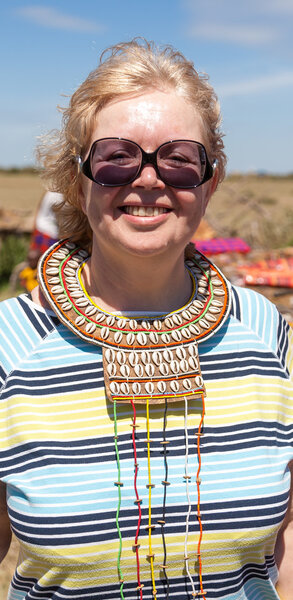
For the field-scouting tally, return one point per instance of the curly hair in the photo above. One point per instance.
(125, 69)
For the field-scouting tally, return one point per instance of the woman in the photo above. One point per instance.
(147, 425)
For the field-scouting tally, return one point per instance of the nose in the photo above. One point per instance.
(148, 178)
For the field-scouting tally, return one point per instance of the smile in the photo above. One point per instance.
(144, 211)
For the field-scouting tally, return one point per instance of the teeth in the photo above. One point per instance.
(144, 211)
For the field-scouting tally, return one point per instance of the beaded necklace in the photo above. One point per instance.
(146, 360)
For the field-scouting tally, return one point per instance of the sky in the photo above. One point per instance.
(48, 48)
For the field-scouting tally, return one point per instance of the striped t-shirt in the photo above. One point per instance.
(74, 472)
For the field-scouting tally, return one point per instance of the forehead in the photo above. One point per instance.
(154, 117)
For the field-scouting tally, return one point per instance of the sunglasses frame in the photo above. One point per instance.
(146, 158)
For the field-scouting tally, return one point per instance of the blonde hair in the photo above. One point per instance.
(125, 69)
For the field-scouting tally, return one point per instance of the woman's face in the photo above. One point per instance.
(146, 217)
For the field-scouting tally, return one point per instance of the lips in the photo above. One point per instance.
(144, 211)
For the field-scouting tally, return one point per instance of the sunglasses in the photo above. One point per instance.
(116, 161)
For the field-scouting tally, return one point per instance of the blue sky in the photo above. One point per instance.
(48, 48)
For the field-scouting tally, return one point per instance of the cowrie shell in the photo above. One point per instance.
(66, 305)
(214, 309)
(199, 381)
(114, 388)
(69, 271)
(81, 302)
(133, 358)
(79, 320)
(121, 357)
(77, 294)
(193, 350)
(136, 387)
(219, 292)
(203, 323)
(161, 385)
(150, 370)
(197, 304)
(193, 363)
(53, 262)
(184, 365)
(164, 369)
(177, 319)
(72, 280)
(90, 327)
(174, 385)
(166, 338)
(61, 298)
(145, 357)
(90, 310)
(141, 338)
(194, 310)
(187, 384)
(169, 323)
(146, 325)
(125, 370)
(168, 356)
(61, 253)
(121, 323)
(73, 263)
(186, 315)
(149, 387)
(133, 324)
(104, 333)
(138, 370)
(204, 264)
(180, 353)
(57, 289)
(124, 387)
(186, 333)
(82, 253)
(110, 355)
(69, 245)
(110, 320)
(53, 280)
(99, 317)
(154, 337)
(130, 339)
(157, 325)
(111, 369)
(216, 302)
(176, 335)
(210, 317)
(216, 281)
(157, 358)
(118, 337)
(174, 366)
(194, 329)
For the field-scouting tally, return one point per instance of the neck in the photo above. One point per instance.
(140, 284)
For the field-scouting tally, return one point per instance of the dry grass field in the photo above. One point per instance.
(258, 209)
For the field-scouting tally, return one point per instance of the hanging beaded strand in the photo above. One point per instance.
(187, 478)
(137, 501)
(165, 482)
(119, 484)
(150, 526)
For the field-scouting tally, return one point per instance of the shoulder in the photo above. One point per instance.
(23, 325)
(261, 320)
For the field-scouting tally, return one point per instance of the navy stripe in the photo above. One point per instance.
(235, 308)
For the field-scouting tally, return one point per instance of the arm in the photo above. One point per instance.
(284, 551)
(5, 531)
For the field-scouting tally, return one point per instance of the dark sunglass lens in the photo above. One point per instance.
(114, 161)
(182, 164)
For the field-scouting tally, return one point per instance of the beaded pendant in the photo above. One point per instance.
(144, 359)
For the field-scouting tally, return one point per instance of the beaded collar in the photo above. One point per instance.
(146, 358)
